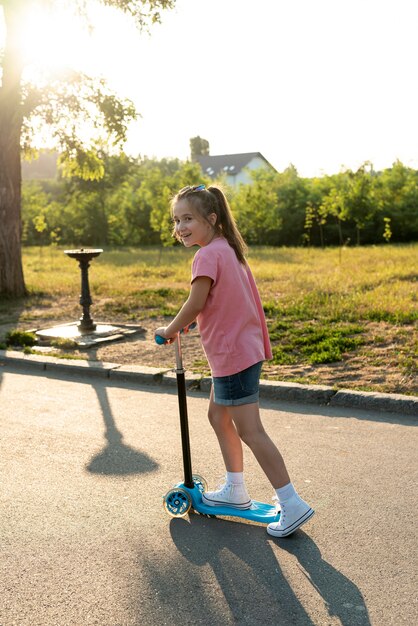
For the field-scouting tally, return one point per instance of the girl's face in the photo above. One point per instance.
(191, 227)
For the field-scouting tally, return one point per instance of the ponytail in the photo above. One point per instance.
(226, 224)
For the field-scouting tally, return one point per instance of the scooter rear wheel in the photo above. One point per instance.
(200, 482)
(177, 502)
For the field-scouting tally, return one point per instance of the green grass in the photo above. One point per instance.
(321, 304)
(115, 273)
(365, 283)
(313, 343)
(152, 302)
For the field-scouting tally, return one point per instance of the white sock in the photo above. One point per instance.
(236, 478)
(286, 492)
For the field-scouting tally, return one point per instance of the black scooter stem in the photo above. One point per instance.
(184, 426)
(181, 392)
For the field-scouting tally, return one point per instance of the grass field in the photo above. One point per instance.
(332, 308)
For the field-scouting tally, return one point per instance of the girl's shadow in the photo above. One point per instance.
(117, 458)
(341, 597)
(225, 573)
(250, 586)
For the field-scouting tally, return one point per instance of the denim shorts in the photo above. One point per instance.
(240, 388)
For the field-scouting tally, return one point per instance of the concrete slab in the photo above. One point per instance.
(103, 332)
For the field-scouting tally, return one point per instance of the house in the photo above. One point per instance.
(233, 166)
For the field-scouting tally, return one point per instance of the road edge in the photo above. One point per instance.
(272, 390)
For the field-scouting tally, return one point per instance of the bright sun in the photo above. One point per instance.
(53, 39)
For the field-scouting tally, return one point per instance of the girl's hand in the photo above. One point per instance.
(189, 327)
(162, 332)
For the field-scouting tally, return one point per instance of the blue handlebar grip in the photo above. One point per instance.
(162, 340)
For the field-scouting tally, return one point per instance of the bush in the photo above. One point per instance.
(20, 338)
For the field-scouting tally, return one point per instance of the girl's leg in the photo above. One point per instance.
(226, 432)
(294, 512)
(246, 418)
(233, 492)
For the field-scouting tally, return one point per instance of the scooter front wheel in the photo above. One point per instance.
(177, 502)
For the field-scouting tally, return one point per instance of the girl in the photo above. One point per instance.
(225, 301)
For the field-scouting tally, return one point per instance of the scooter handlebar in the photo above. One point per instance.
(162, 340)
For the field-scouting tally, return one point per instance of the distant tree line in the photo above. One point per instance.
(130, 205)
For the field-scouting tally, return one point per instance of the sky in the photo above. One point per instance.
(321, 84)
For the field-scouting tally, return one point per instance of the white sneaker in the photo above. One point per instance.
(229, 494)
(293, 514)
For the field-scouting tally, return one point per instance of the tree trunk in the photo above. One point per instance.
(11, 272)
(321, 234)
(340, 232)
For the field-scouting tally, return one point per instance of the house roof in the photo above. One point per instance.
(230, 164)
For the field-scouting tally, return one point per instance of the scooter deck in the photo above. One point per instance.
(258, 512)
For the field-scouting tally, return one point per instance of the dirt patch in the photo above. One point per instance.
(383, 364)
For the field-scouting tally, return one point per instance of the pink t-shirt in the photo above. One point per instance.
(232, 325)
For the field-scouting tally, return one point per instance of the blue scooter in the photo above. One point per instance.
(188, 495)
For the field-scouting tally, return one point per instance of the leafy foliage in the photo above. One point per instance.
(256, 208)
(130, 205)
(20, 338)
(198, 147)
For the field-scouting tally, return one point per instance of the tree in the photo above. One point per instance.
(94, 210)
(61, 104)
(396, 192)
(318, 188)
(198, 147)
(334, 202)
(35, 201)
(292, 196)
(255, 207)
(359, 201)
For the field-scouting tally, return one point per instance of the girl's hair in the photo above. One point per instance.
(212, 200)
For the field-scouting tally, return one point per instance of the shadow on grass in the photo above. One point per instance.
(17, 313)
(10, 312)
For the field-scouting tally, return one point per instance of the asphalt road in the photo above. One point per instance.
(85, 540)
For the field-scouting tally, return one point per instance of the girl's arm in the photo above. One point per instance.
(191, 308)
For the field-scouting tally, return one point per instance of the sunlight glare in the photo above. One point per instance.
(53, 39)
